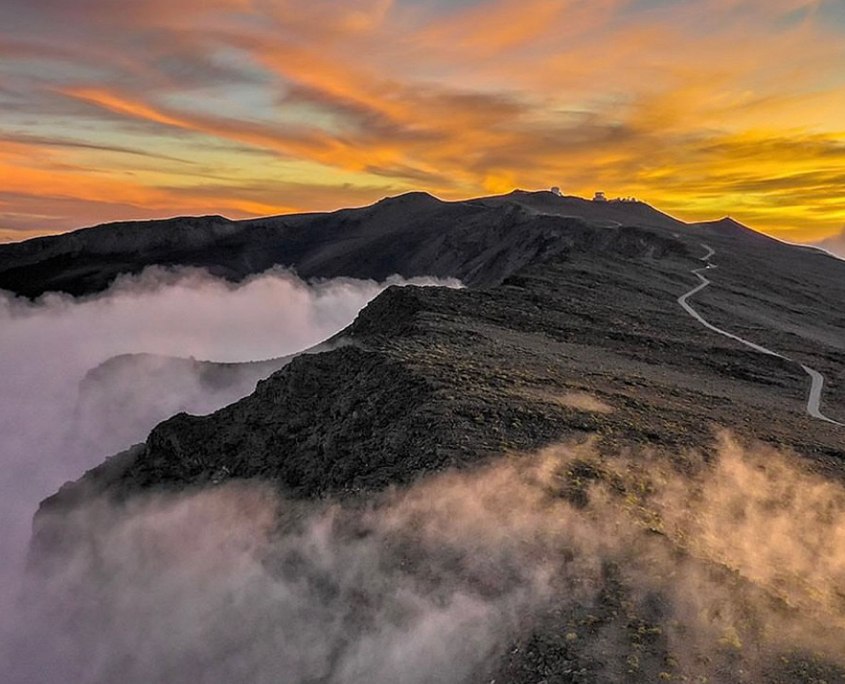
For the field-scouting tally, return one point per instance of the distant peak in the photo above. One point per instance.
(724, 222)
(726, 226)
(409, 198)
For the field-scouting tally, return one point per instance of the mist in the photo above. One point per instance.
(717, 564)
(835, 244)
(66, 403)
(721, 565)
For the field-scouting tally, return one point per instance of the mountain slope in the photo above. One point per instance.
(575, 337)
(450, 364)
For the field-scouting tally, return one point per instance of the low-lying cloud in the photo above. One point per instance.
(835, 244)
(51, 433)
(721, 568)
(724, 564)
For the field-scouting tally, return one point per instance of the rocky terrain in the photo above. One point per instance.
(569, 333)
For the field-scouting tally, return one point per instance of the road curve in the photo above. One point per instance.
(814, 396)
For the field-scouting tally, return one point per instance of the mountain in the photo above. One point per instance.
(571, 330)
(478, 241)
(593, 298)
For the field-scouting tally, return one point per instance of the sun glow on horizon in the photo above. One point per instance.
(113, 111)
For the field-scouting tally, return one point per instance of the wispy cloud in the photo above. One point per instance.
(700, 107)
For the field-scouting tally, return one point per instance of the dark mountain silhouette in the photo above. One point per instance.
(730, 227)
(479, 241)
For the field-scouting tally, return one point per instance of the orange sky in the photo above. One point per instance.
(111, 109)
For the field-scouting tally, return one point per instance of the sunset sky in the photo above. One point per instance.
(113, 109)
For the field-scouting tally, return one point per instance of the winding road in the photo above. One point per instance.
(816, 379)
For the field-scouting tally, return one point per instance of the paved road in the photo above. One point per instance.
(816, 379)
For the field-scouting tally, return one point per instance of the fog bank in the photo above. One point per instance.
(48, 346)
(720, 568)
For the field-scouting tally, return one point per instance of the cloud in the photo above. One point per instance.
(54, 429)
(835, 244)
(627, 567)
(683, 104)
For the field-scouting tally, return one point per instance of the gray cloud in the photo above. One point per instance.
(27, 139)
(834, 244)
(727, 559)
(732, 565)
(47, 347)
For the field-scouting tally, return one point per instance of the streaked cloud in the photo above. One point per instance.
(248, 107)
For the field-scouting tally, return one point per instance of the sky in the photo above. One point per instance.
(114, 110)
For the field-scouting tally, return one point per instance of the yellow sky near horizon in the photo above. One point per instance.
(702, 108)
